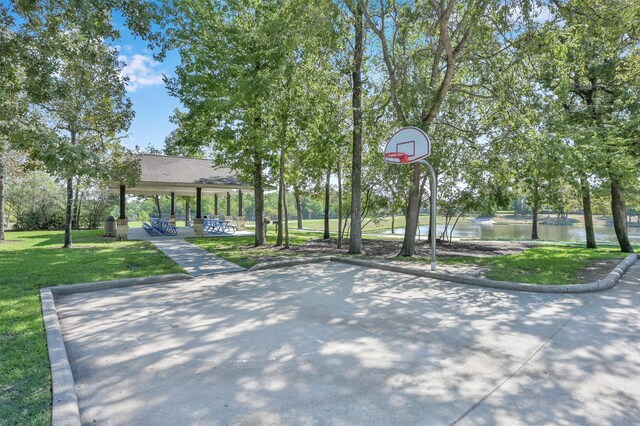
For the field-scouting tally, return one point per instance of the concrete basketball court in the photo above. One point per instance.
(331, 343)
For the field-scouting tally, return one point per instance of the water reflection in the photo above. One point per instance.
(517, 231)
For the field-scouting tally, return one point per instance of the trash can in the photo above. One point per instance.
(265, 222)
(110, 226)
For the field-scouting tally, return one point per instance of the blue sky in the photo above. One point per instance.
(151, 102)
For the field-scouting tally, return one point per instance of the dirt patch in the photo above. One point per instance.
(387, 249)
(391, 248)
(597, 270)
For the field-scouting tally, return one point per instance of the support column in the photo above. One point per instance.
(198, 223)
(228, 204)
(172, 216)
(216, 214)
(122, 225)
(198, 203)
(241, 218)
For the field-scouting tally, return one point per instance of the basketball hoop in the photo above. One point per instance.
(412, 145)
(397, 157)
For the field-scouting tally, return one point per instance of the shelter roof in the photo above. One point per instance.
(163, 174)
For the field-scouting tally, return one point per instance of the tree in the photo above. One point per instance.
(589, 57)
(355, 236)
(36, 200)
(86, 109)
(236, 80)
(232, 54)
(83, 98)
(98, 202)
(23, 72)
(540, 165)
(422, 48)
(303, 106)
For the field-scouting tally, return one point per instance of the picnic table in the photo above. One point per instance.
(219, 226)
(159, 227)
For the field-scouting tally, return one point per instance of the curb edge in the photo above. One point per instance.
(64, 404)
(128, 282)
(608, 282)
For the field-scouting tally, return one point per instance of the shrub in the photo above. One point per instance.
(40, 219)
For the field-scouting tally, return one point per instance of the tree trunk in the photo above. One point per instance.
(78, 209)
(535, 206)
(339, 202)
(433, 226)
(2, 173)
(393, 223)
(67, 226)
(409, 241)
(454, 227)
(259, 199)
(156, 199)
(286, 220)
(280, 197)
(187, 214)
(327, 234)
(415, 198)
(296, 194)
(74, 220)
(619, 212)
(534, 225)
(344, 225)
(355, 237)
(587, 212)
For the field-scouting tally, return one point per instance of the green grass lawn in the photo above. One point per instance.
(29, 261)
(540, 265)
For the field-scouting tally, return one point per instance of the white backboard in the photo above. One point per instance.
(411, 141)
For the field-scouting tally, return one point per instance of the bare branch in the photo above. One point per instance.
(386, 56)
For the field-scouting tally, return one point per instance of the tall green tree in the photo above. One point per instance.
(302, 105)
(355, 236)
(86, 109)
(23, 79)
(423, 47)
(590, 56)
(236, 59)
(79, 93)
(232, 58)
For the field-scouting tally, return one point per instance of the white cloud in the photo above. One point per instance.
(141, 70)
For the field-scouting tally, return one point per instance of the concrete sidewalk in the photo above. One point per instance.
(331, 343)
(196, 261)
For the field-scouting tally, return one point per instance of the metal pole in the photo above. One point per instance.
(432, 225)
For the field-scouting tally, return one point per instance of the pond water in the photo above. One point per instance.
(517, 231)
